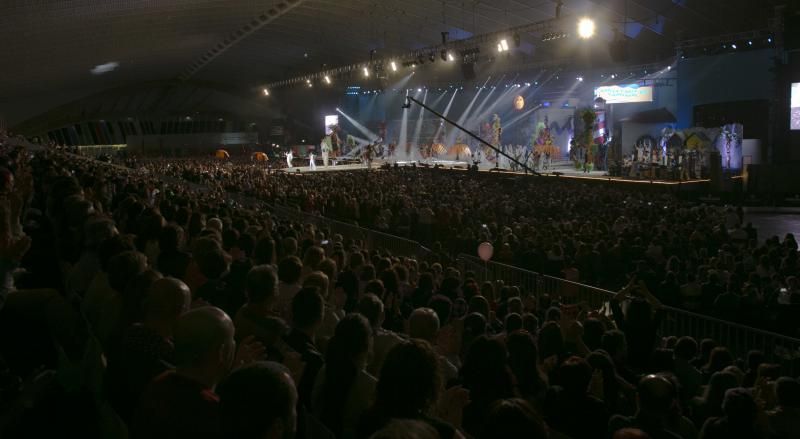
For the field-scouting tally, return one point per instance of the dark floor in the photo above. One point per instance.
(774, 224)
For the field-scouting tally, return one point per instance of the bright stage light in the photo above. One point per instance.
(502, 46)
(265, 91)
(734, 46)
(394, 66)
(450, 57)
(586, 28)
(327, 79)
(579, 78)
(366, 72)
(419, 90)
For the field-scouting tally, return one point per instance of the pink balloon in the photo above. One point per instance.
(485, 251)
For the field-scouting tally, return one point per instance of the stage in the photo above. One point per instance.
(561, 169)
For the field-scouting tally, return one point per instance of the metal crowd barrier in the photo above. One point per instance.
(371, 239)
(738, 338)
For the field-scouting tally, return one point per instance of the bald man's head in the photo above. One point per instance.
(656, 394)
(423, 324)
(167, 299)
(204, 339)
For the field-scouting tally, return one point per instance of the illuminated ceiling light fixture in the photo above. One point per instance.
(366, 72)
(586, 28)
(451, 57)
(327, 79)
(502, 46)
(265, 91)
(393, 65)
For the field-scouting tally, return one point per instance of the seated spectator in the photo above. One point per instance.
(513, 418)
(423, 324)
(719, 359)
(172, 261)
(307, 312)
(738, 420)
(258, 401)
(408, 388)
(289, 272)
(690, 378)
(710, 403)
(569, 407)
(406, 429)
(147, 348)
(523, 359)
(784, 420)
(258, 317)
(182, 402)
(344, 390)
(656, 395)
(371, 307)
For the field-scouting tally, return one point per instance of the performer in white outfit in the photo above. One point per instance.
(289, 158)
(311, 163)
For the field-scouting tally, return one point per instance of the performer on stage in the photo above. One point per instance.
(368, 154)
(311, 163)
(289, 158)
(325, 147)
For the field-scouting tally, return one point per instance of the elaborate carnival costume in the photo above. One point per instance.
(289, 157)
(326, 147)
(730, 138)
(497, 131)
(544, 146)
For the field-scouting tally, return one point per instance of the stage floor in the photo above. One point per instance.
(558, 169)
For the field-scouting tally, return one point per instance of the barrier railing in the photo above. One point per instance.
(675, 321)
(372, 239)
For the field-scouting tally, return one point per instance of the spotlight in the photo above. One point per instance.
(419, 90)
(327, 79)
(749, 43)
(502, 46)
(769, 40)
(366, 72)
(266, 92)
(733, 46)
(586, 28)
(579, 78)
(451, 57)
(613, 76)
(393, 66)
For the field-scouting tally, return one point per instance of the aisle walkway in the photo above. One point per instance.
(774, 224)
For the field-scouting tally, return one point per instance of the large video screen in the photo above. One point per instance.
(794, 123)
(623, 94)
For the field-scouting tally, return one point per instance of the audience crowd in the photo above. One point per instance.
(698, 257)
(131, 307)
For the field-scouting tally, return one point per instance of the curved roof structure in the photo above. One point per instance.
(61, 51)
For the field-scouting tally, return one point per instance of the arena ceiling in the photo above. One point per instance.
(61, 51)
